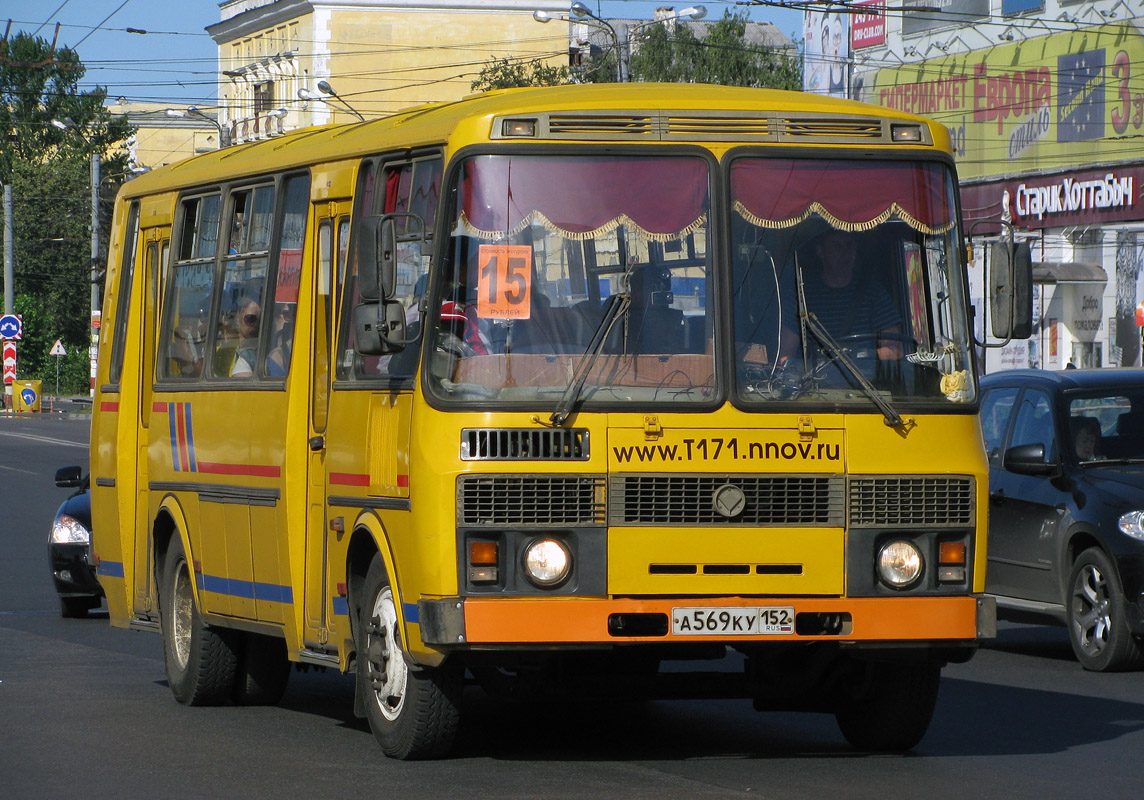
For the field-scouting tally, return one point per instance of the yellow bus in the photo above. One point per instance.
(539, 390)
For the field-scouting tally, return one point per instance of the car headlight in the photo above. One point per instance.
(1132, 524)
(547, 562)
(899, 563)
(69, 530)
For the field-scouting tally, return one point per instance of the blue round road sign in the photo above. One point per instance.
(11, 327)
(28, 395)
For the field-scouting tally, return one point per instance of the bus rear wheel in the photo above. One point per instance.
(200, 661)
(891, 707)
(413, 713)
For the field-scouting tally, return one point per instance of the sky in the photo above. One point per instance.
(176, 60)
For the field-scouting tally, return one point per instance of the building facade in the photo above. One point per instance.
(1045, 103)
(378, 57)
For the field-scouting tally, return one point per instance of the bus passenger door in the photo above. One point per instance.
(114, 428)
(333, 236)
(157, 246)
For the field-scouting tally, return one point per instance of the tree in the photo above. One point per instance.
(510, 73)
(48, 167)
(724, 56)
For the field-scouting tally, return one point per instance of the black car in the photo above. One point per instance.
(1066, 505)
(69, 548)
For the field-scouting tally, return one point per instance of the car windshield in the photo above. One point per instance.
(1107, 426)
(847, 282)
(540, 246)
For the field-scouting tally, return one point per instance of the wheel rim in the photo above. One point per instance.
(182, 605)
(1091, 610)
(388, 673)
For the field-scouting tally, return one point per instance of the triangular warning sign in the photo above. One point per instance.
(58, 349)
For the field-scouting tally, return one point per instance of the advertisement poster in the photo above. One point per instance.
(826, 55)
(1065, 98)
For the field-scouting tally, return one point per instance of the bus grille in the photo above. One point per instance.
(524, 444)
(741, 126)
(530, 500)
(790, 500)
(911, 502)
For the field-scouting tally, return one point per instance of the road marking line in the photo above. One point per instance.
(45, 439)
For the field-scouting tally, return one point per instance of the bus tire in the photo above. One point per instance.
(200, 660)
(892, 708)
(263, 670)
(413, 713)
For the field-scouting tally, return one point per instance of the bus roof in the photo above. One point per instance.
(469, 120)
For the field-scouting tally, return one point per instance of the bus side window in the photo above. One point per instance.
(402, 187)
(288, 275)
(239, 332)
(186, 310)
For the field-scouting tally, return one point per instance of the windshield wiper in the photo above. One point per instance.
(809, 322)
(617, 305)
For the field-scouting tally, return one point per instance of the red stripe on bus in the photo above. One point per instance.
(109, 405)
(348, 479)
(181, 422)
(254, 470)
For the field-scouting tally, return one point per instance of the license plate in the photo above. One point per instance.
(767, 620)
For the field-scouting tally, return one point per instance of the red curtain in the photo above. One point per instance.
(578, 194)
(855, 192)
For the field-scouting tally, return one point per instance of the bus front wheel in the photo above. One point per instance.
(200, 660)
(413, 713)
(890, 707)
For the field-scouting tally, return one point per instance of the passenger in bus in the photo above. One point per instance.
(247, 320)
(849, 302)
(187, 347)
(281, 340)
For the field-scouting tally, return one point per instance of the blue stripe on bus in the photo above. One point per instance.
(190, 440)
(411, 610)
(111, 569)
(247, 590)
(174, 437)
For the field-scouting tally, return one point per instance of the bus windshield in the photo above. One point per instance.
(846, 281)
(541, 245)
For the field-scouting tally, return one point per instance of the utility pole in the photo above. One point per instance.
(95, 310)
(9, 273)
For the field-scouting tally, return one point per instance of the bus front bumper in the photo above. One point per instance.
(571, 620)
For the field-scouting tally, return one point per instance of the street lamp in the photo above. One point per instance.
(192, 111)
(580, 10)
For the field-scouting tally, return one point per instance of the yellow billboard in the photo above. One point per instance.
(1050, 102)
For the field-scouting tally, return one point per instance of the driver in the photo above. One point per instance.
(847, 301)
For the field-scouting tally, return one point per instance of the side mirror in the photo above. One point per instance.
(1029, 459)
(69, 477)
(379, 328)
(377, 253)
(1011, 290)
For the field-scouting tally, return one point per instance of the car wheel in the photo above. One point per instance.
(413, 713)
(263, 670)
(200, 660)
(72, 607)
(1097, 615)
(891, 707)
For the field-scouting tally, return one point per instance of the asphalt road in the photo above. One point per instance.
(85, 713)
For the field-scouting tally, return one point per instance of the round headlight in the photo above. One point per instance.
(547, 562)
(899, 563)
(69, 530)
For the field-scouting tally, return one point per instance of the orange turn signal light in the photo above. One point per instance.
(483, 553)
(951, 553)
